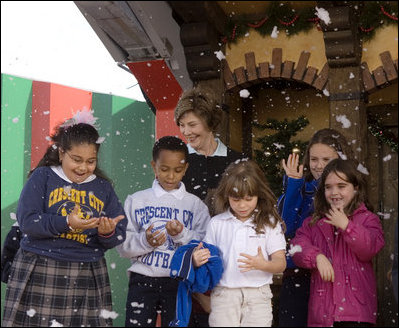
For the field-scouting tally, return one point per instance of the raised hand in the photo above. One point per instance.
(156, 238)
(337, 218)
(107, 225)
(174, 227)
(200, 255)
(325, 268)
(76, 222)
(291, 168)
(252, 262)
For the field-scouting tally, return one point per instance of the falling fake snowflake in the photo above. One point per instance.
(55, 323)
(15, 120)
(323, 15)
(31, 312)
(108, 314)
(362, 169)
(275, 33)
(219, 55)
(100, 140)
(385, 216)
(387, 158)
(244, 93)
(13, 216)
(278, 146)
(294, 249)
(343, 119)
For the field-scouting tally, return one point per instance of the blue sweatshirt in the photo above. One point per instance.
(200, 279)
(46, 200)
(295, 205)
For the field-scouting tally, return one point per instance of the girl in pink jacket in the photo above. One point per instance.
(338, 243)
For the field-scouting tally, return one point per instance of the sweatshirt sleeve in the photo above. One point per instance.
(114, 208)
(198, 230)
(290, 202)
(365, 237)
(302, 250)
(31, 211)
(135, 243)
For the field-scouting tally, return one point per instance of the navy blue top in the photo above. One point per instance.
(295, 205)
(47, 199)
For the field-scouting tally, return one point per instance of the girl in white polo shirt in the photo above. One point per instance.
(249, 233)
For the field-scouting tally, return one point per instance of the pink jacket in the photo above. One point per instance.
(353, 294)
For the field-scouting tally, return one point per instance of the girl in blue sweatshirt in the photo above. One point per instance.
(69, 215)
(295, 205)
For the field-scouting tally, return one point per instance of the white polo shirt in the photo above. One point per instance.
(234, 237)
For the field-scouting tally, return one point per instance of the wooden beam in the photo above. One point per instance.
(322, 78)
(264, 72)
(309, 75)
(368, 81)
(277, 57)
(228, 76)
(251, 66)
(379, 76)
(389, 66)
(301, 67)
(288, 68)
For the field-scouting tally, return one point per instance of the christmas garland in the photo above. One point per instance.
(382, 134)
(374, 15)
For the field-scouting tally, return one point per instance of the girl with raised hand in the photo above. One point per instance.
(295, 205)
(338, 244)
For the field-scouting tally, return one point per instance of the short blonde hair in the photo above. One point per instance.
(202, 103)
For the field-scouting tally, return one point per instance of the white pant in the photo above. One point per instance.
(241, 307)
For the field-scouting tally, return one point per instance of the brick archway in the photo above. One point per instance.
(243, 77)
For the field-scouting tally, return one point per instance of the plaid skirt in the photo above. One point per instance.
(42, 292)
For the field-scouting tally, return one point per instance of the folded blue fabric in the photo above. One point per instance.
(199, 280)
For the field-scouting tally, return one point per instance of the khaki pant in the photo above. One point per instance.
(241, 307)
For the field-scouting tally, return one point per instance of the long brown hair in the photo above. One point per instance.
(331, 138)
(347, 171)
(245, 178)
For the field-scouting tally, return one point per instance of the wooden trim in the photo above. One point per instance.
(389, 66)
(251, 66)
(368, 80)
(310, 75)
(277, 55)
(252, 74)
(379, 76)
(301, 67)
(321, 79)
(288, 68)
